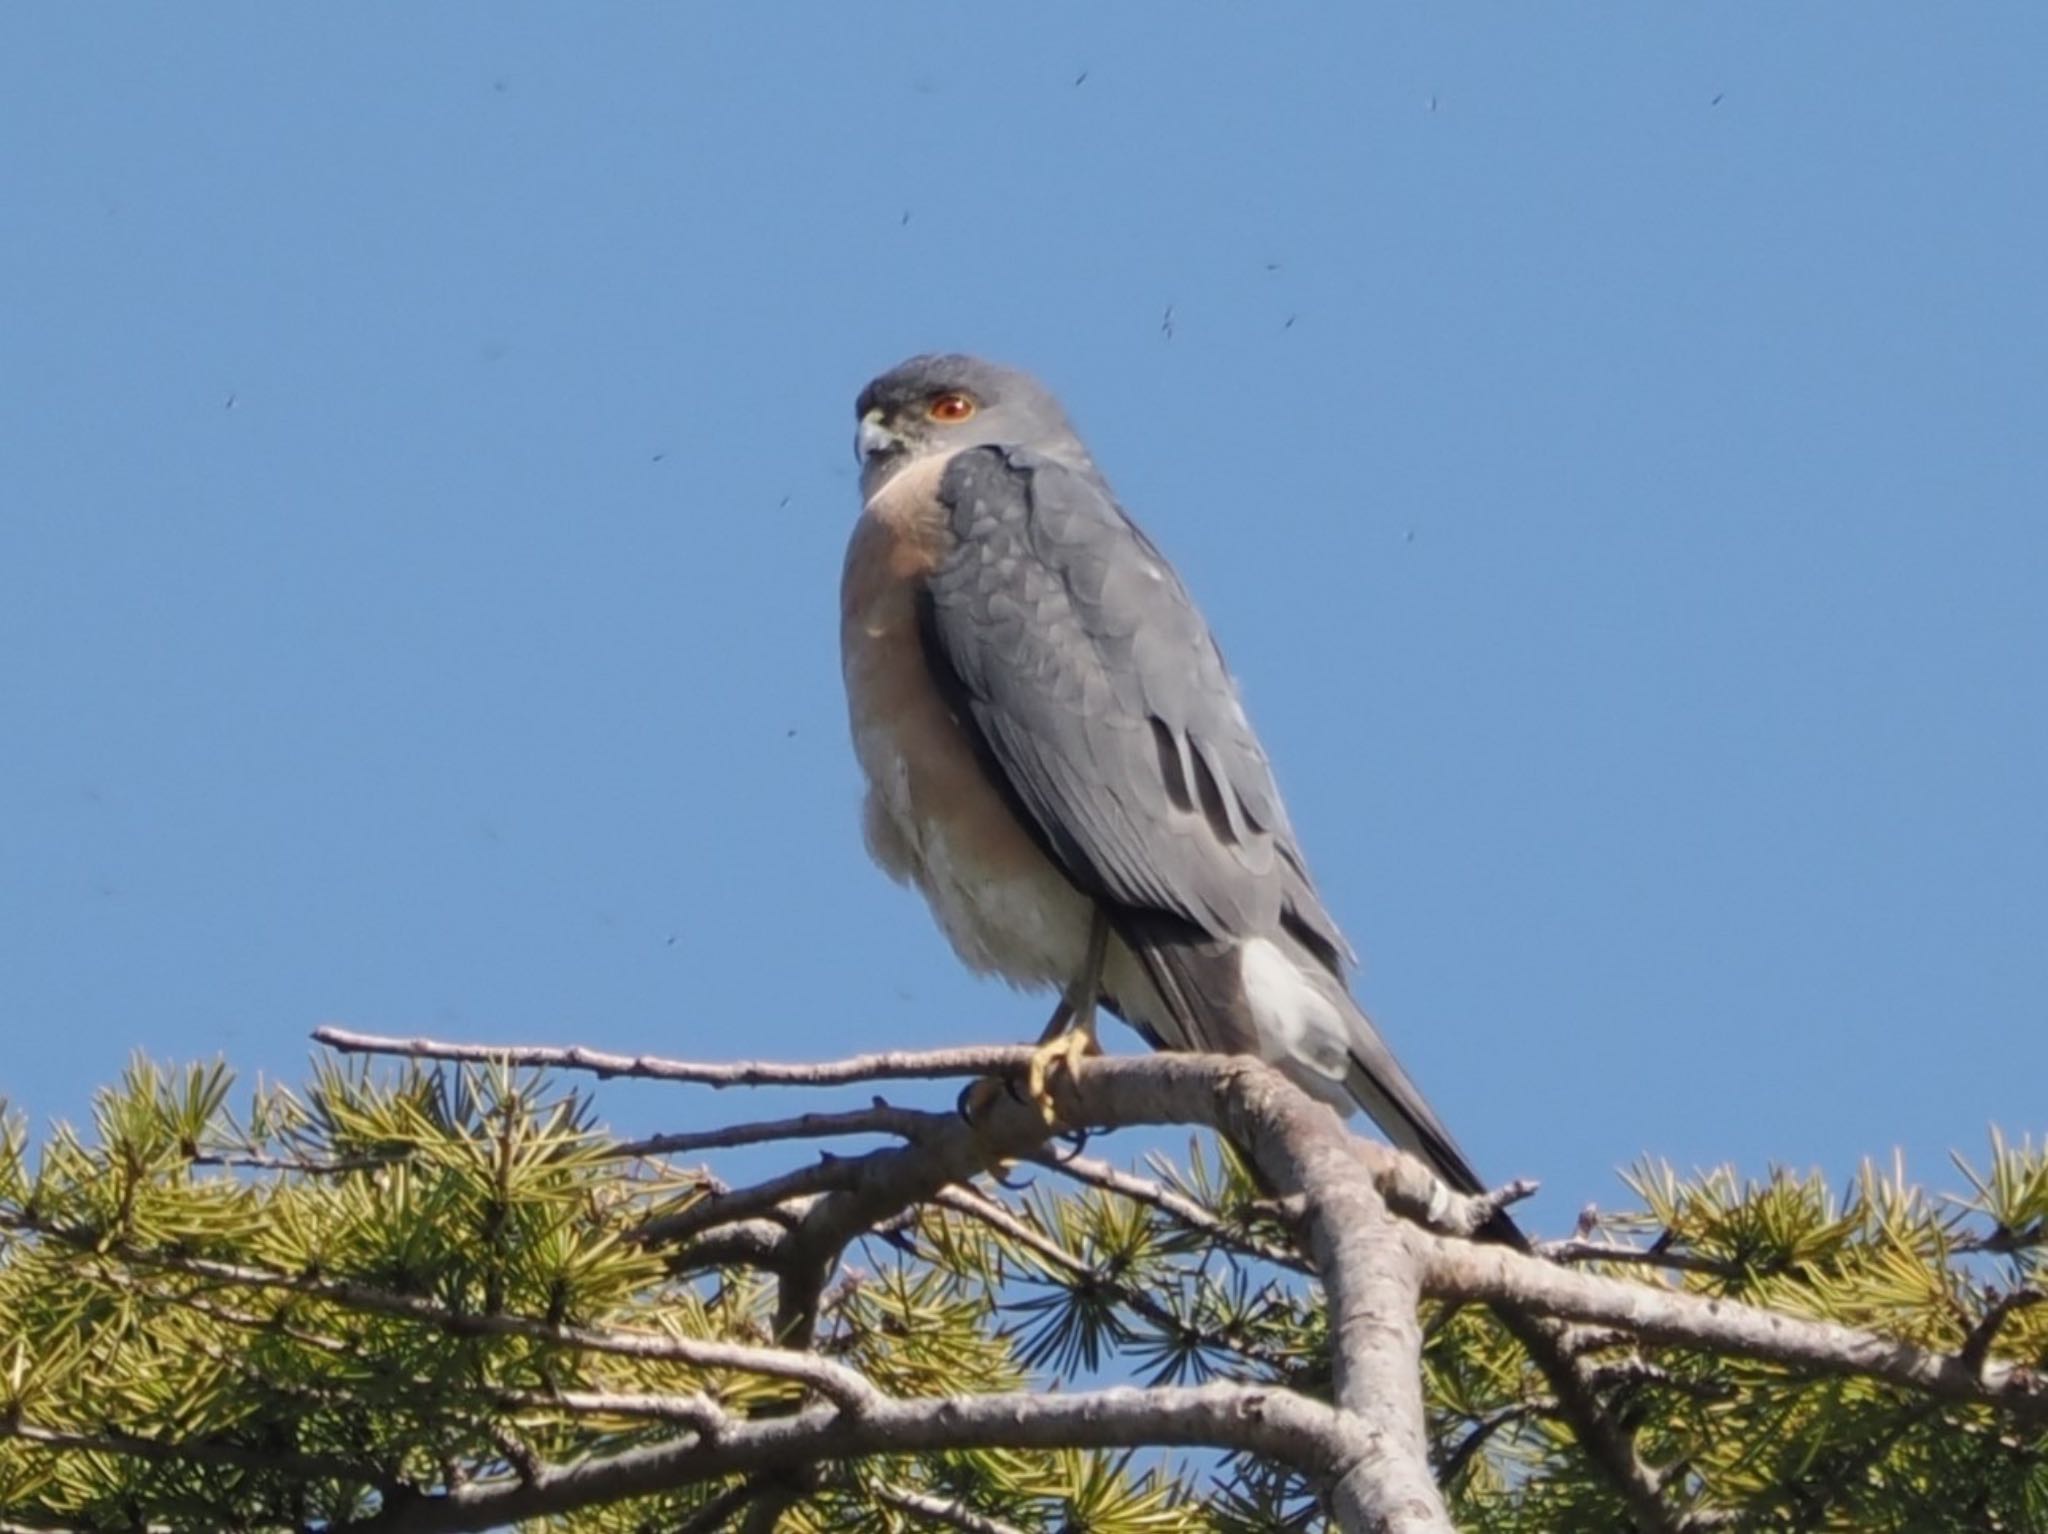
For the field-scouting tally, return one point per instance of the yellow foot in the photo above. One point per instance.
(1065, 1050)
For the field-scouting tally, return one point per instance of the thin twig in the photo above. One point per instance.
(2005, 1241)
(1573, 1249)
(1976, 1348)
(826, 1175)
(1175, 1205)
(946, 1510)
(258, 1162)
(1453, 1463)
(878, 1119)
(968, 1202)
(887, 1065)
(717, 1513)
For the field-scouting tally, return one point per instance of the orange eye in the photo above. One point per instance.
(950, 407)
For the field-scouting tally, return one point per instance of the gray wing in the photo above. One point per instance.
(1098, 692)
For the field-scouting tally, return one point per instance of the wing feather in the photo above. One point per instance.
(1098, 693)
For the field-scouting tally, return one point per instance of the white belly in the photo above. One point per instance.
(1017, 917)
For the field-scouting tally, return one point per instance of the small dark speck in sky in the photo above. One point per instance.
(1081, 78)
(904, 222)
(659, 456)
(1718, 97)
(1166, 323)
(230, 402)
(1290, 322)
(781, 504)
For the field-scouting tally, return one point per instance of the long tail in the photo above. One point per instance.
(1311, 1029)
(1378, 1084)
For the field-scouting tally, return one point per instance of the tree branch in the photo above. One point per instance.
(879, 1118)
(1299, 1147)
(1463, 1271)
(887, 1065)
(837, 1383)
(1577, 1249)
(1373, 1265)
(1257, 1420)
(954, 1515)
(1177, 1206)
(1976, 1350)
(199, 1452)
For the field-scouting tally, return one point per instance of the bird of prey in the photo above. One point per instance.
(1056, 754)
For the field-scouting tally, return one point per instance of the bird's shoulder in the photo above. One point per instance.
(1024, 489)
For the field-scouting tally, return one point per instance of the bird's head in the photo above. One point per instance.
(940, 404)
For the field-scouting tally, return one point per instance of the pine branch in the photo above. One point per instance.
(835, 1382)
(198, 1451)
(1175, 1205)
(943, 1510)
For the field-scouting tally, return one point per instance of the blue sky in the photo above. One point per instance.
(1608, 440)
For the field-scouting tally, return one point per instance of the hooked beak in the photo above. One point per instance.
(874, 440)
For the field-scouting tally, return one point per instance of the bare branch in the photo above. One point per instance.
(879, 1119)
(744, 1244)
(1460, 1455)
(822, 1176)
(250, 1161)
(1976, 1349)
(694, 1410)
(1177, 1206)
(717, 1513)
(954, 1515)
(1416, 1193)
(1576, 1249)
(1558, 1352)
(1456, 1270)
(888, 1065)
(2007, 1242)
(1258, 1420)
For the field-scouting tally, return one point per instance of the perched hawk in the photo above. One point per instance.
(1057, 757)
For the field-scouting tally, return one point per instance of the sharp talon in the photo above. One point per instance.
(997, 1175)
(1075, 1141)
(977, 1097)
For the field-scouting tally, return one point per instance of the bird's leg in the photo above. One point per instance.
(979, 1096)
(1070, 1036)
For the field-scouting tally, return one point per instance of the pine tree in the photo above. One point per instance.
(434, 1294)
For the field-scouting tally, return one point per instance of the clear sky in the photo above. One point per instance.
(1609, 440)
